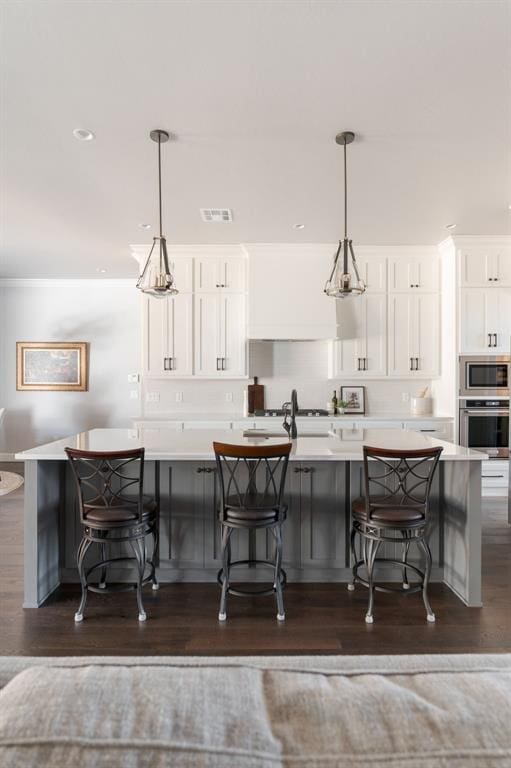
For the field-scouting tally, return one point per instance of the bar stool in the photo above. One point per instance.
(252, 480)
(113, 510)
(395, 509)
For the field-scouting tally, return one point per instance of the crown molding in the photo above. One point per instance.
(140, 252)
(31, 282)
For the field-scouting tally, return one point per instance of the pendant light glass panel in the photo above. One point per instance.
(156, 278)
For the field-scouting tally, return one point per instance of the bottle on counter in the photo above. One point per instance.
(334, 402)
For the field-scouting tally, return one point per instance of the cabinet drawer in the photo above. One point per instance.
(495, 474)
(441, 429)
(367, 424)
(207, 425)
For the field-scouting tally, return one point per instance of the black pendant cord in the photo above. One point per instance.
(345, 192)
(159, 200)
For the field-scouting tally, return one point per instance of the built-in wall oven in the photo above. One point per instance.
(484, 425)
(484, 376)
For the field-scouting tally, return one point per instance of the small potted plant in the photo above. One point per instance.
(341, 405)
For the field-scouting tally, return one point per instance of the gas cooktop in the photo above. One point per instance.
(301, 412)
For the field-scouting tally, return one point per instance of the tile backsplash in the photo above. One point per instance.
(280, 366)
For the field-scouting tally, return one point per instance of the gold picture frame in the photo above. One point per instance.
(53, 366)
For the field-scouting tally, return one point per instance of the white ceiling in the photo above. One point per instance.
(255, 92)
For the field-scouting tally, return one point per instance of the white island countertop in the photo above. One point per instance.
(196, 445)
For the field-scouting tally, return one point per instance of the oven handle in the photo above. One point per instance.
(486, 411)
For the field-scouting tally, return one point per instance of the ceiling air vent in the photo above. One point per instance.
(216, 214)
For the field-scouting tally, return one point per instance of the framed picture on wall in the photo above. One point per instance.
(355, 399)
(52, 366)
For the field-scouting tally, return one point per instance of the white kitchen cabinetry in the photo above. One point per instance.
(485, 321)
(167, 336)
(495, 477)
(220, 335)
(488, 267)
(414, 335)
(439, 429)
(361, 351)
(225, 275)
(373, 271)
(414, 273)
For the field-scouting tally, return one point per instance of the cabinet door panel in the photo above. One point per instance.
(427, 334)
(501, 268)
(206, 275)
(473, 334)
(323, 524)
(498, 318)
(182, 270)
(231, 275)
(474, 268)
(179, 333)
(233, 334)
(207, 334)
(361, 350)
(373, 272)
(414, 335)
(154, 323)
(181, 515)
(402, 334)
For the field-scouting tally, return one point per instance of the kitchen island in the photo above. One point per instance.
(325, 475)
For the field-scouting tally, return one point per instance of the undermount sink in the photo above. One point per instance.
(267, 433)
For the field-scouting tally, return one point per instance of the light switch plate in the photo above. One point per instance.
(133, 378)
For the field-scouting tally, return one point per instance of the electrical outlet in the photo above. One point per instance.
(133, 394)
(152, 397)
(405, 397)
(179, 397)
(228, 397)
(133, 378)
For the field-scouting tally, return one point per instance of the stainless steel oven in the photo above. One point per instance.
(484, 425)
(485, 376)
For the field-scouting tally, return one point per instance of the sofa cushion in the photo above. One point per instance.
(248, 717)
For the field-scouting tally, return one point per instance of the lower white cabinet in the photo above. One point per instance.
(220, 335)
(440, 429)
(361, 349)
(485, 321)
(414, 344)
(167, 334)
(495, 477)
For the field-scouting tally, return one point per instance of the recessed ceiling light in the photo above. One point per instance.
(509, 206)
(298, 226)
(144, 226)
(83, 134)
(101, 269)
(450, 226)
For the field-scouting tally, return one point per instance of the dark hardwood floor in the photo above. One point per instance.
(321, 618)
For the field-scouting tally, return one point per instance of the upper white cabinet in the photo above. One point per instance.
(201, 331)
(220, 335)
(361, 351)
(485, 321)
(408, 274)
(488, 266)
(167, 336)
(224, 275)
(414, 338)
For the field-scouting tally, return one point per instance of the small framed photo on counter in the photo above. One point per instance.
(51, 366)
(355, 398)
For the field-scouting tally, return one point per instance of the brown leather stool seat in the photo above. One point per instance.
(118, 513)
(388, 513)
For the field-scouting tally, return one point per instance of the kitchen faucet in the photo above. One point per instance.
(290, 411)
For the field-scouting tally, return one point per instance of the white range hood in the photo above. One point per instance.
(286, 298)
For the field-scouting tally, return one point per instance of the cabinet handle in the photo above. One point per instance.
(306, 470)
(491, 477)
(207, 470)
(365, 363)
(297, 469)
(427, 430)
(495, 339)
(224, 360)
(416, 363)
(171, 364)
(218, 364)
(165, 361)
(359, 359)
(412, 364)
(489, 340)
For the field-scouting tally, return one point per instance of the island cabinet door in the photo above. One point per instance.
(322, 487)
(181, 515)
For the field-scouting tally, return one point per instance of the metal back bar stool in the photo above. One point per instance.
(252, 480)
(395, 509)
(113, 509)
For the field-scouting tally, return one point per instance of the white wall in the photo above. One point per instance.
(92, 311)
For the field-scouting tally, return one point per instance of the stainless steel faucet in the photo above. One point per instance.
(290, 411)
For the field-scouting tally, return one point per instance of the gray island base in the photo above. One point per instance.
(325, 475)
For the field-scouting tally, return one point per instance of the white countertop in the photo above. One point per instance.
(229, 417)
(196, 445)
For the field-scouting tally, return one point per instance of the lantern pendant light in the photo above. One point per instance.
(342, 282)
(156, 278)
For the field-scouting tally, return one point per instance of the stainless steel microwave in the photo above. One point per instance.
(484, 375)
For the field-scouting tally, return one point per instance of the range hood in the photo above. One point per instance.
(286, 297)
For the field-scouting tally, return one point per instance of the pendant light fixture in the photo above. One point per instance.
(342, 282)
(156, 278)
